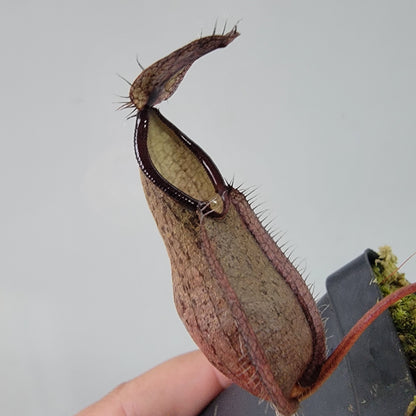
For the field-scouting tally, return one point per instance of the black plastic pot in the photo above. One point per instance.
(372, 380)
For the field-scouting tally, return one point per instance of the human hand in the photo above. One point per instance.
(182, 386)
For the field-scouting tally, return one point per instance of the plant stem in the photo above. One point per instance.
(332, 362)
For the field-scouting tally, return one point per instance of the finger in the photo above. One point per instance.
(182, 386)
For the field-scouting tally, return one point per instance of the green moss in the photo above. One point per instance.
(412, 407)
(403, 312)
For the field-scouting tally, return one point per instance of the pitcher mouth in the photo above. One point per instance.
(178, 166)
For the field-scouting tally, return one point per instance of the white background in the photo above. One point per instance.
(314, 104)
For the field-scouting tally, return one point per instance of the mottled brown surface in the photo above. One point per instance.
(161, 79)
(269, 303)
(285, 268)
(236, 306)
